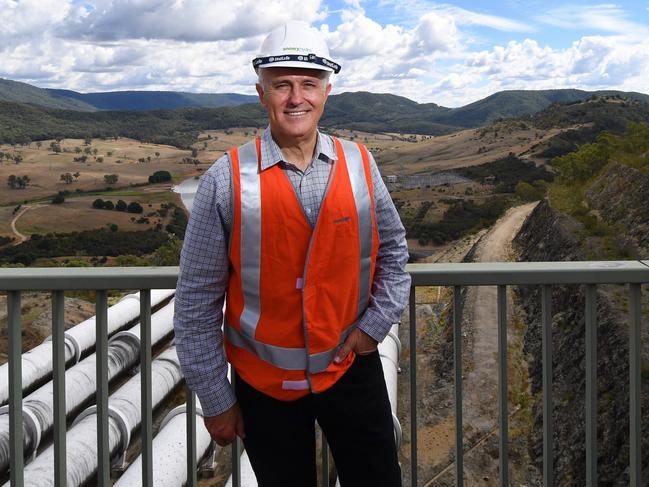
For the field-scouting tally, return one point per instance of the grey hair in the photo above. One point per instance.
(322, 74)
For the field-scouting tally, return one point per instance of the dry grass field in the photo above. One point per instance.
(462, 149)
(122, 157)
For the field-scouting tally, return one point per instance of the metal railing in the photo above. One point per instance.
(546, 274)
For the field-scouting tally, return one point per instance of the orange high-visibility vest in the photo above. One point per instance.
(295, 293)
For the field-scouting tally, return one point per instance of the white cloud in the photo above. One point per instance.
(196, 20)
(604, 17)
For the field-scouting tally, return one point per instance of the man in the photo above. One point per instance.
(297, 233)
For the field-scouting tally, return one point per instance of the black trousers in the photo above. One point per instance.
(354, 415)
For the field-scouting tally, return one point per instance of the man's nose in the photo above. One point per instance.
(296, 96)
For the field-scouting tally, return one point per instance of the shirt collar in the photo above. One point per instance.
(271, 154)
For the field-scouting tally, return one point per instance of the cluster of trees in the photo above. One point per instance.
(17, 158)
(121, 205)
(461, 218)
(583, 164)
(90, 242)
(18, 182)
(508, 172)
(67, 177)
(20, 123)
(111, 178)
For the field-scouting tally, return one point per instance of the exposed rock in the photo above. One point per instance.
(550, 236)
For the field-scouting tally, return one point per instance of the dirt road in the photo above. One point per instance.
(23, 210)
(481, 326)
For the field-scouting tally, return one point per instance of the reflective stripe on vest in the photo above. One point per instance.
(356, 171)
(250, 236)
(250, 252)
(286, 358)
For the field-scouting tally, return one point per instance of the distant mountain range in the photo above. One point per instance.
(15, 91)
(361, 109)
(31, 113)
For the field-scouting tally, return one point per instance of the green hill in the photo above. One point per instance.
(154, 100)
(17, 92)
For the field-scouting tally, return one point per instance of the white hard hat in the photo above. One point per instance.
(295, 45)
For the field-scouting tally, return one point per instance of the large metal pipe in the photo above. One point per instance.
(124, 418)
(80, 381)
(389, 351)
(79, 341)
(170, 468)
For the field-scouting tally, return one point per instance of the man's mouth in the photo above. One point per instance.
(296, 114)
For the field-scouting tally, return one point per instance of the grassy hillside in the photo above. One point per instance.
(14, 91)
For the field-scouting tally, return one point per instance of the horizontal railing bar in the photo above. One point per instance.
(451, 274)
(92, 278)
(520, 273)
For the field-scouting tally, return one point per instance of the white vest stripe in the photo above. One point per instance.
(250, 236)
(364, 210)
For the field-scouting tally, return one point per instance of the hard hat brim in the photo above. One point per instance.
(309, 61)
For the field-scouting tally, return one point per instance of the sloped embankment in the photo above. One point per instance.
(621, 197)
(550, 236)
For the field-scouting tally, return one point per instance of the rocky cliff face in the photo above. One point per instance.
(549, 236)
(621, 197)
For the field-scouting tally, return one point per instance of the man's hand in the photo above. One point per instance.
(225, 427)
(358, 341)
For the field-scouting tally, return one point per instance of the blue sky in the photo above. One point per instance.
(450, 53)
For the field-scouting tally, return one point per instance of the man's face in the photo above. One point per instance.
(295, 99)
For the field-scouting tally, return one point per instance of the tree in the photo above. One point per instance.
(157, 154)
(100, 159)
(18, 158)
(66, 178)
(39, 144)
(160, 177)
(194, 152)
(111, 178)
(135, 207)
(98, 203)
(76, 175)
(108, 205)
(87, 140)
(58, 199)
(121, 205)
(55, 147)
(12, 181)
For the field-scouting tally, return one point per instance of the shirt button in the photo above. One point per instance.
(308, 210)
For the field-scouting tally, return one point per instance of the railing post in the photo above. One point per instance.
(413, 386)
(502, 385)
(635, 388)
(548, 403)
(591, 385)
(236, 446)
(145, 374)
(457, 361)
(101, 334)
(192, 479)
(325, 460)
(58, 362)
(15, 389)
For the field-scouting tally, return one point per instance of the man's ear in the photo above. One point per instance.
(260, 92)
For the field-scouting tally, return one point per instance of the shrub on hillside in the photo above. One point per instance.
(160, 177)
